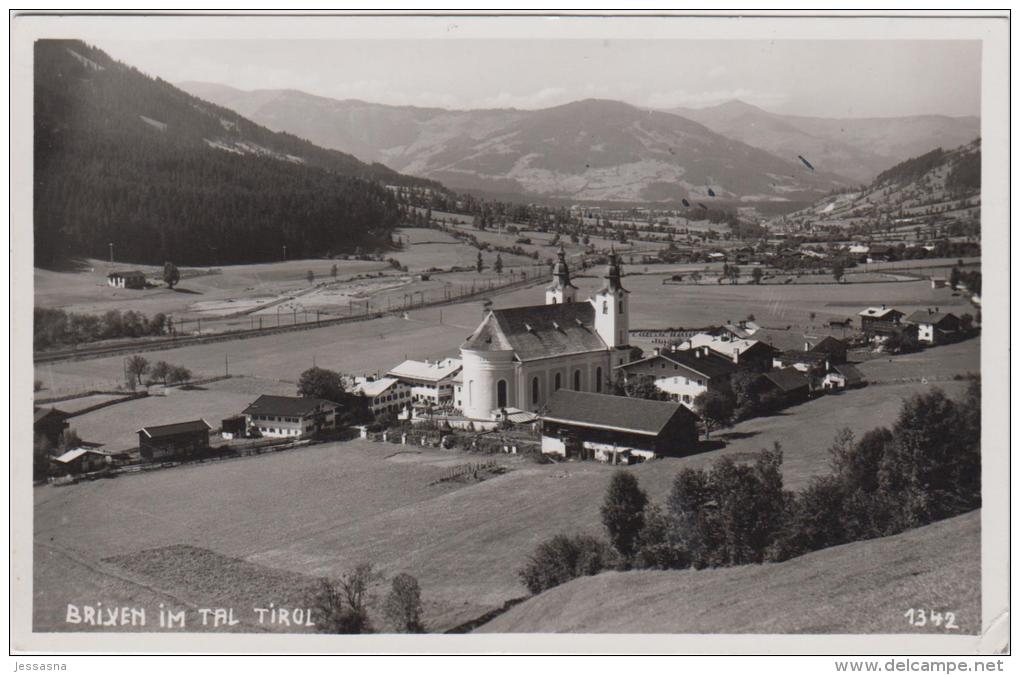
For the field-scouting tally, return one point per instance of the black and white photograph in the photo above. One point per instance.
(462, 330)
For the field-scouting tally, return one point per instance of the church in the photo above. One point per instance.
(518, 357)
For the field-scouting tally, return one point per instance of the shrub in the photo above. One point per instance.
(659, 545)
(562, 558)
(402, 606)
(623, 512)
(341, 606)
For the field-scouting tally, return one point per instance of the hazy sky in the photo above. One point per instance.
(832, 78)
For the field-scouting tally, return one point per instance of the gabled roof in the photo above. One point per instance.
(539, 331)
(787, 379)
(127, 273)
(163, 430)
(426, 370)
(43, 413)
(710, 366)
(619, 413)
(829, 345)
(934, 318)
(375, 387)
(725, 346)
(286, 406)
(852, 375)
(72, 455)
(795, 356)
(879, 312)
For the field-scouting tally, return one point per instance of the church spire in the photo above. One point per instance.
(613, 274)
(560, 290)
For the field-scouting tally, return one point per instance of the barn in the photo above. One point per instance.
(174, 441)
(128, 279)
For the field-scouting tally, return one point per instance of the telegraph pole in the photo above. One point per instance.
(111, 252)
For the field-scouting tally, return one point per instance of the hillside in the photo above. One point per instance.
(586, 150)
(859, 148)
(938, 192)
(864, 587)
(126, 159)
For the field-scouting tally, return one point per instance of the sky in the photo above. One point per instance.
(830, 78)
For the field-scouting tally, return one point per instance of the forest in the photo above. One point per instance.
(131, 160)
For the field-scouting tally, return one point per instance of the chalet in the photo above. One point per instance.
(180, 440)
(586, 425)
(429, 381)
(935, 327)
(843, 376)
(290, 416)
(881, 253)
(81, 460)
(235, 426)
(129, 279)
(893, 336)
(387, 394)
(682, 374)
(746, 353)
(805, 361)
(48, 425)
(834, 348)
(789, 384)
(872, 315)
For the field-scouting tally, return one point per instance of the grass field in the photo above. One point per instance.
(863, 587)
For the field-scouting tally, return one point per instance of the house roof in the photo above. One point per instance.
(72, 455)
(286, 406)
(539, 331)
(829, 345)
(710, 366)
(879, 312)
(795, 356)
(934, 318)
(43, 413)
(164, 430)
(787, 379)
(426, 370)
(852, 375)
(619, 413)
(127, 273)
(375, 387)
(723, 345)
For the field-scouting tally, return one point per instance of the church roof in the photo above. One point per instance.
(538, 332)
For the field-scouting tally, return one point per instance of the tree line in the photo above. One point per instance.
(58, 327)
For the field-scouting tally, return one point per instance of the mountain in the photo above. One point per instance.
(856, 148)
(126, 159)
(939, 190)
(586, 150)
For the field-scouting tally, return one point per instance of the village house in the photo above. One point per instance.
(129, 279)
(519, 357)
(235, 426)
(832, 347)
(48, 425)
(789, 384)
(682, 374)
(174, 441)
(80, 460)
(935, 327)
(746, 353)
(843, 376)
(385, 395)
(882, 315)
(290, 416)
(430, 382)
(618, 429)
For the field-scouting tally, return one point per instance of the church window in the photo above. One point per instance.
(577, 380)
(557, 384)
(605, 307)
(501, 393)
(471, 388)
(621, 306)
(534, 391)
(598, 379)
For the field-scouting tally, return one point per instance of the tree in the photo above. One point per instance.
(179, 375)
(322, 383)
(715, 406)
(334, 270)
(310, 275)
(734, 274)
(137, 366)
(161, 371)
(756, 275)
(402, 606)
(498, 265)
(562, 558)
(623, 512)
(479, 266)
(954, 278)
(643, 386)
(838, 270)
(341, 606)
(171, 275)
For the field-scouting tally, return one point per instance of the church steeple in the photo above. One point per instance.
(560, 290)
(612, 311)
(613, 275)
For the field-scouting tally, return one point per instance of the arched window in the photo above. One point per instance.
(557, 384)
(471, 388)
(605, 307)
(621, 305)
(577, 380)
(598, 379)
(501, 393)
(534, 391)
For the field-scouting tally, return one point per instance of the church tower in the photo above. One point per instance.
(612, 307)
(560, 291)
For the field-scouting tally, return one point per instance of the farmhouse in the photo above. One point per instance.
(935, 327)
(519, 357)
(429, 381)
(387, 394)
(872, 315)
(843, 376)
(682, 374)
(129, 279)
(789, 384)
(745, 353)
(586, 425)
(290, 416)
(81, 460)
(832, 347)
(174, 441)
